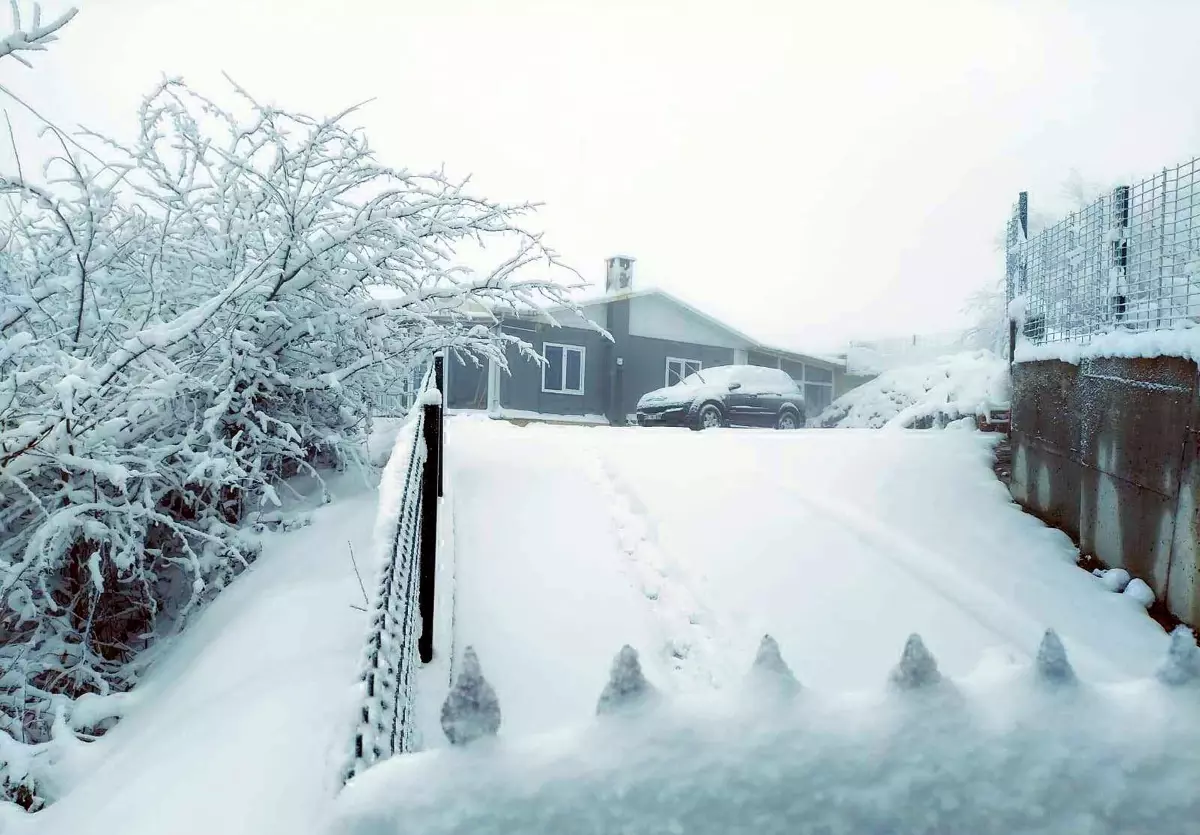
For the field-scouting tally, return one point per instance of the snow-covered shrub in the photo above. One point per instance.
(925, 395)
(185, 321)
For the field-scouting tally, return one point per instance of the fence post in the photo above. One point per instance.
(1119, 254)
(1162, 249)
(1018, 233)
(431, 476)
(439, 379)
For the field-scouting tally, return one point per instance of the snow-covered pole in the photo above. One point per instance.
(431, 489)
(1014, 255)
(1119, 253)
(439, 379)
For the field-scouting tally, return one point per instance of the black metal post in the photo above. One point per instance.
(1119, 260)
(439, 379)
(430, 478)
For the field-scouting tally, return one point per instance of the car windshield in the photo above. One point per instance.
(721, 374)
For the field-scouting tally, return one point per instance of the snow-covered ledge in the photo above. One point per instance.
(1176, 342)
(542, 417)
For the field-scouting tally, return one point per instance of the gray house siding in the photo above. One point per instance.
(617, 317)
(757, 358)
(521, 387)
(646, 364)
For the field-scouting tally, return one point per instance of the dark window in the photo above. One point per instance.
(563, 369)
(817, 398)
(677, 369)
(817, 375)
(574, 371)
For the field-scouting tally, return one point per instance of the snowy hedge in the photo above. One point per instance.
(953, 387)
(185, 321)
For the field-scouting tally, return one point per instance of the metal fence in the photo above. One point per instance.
(401, 629)
(1130, 260)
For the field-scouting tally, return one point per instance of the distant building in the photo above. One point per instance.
(657, 339)
(873, 357)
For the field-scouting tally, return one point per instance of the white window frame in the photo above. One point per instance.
(699, 364)
(563, 382)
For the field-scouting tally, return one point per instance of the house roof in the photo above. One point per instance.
(753, 344)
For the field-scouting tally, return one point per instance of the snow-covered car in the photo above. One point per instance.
(728, 395)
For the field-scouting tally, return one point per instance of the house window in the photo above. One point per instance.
(818, 389)
(562, 373)
(677, 369)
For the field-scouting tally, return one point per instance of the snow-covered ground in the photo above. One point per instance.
(958, 385)
(242, 723)
(565, 543)
(690, 546)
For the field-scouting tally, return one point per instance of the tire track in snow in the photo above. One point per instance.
(1014, 626)
(690, 647)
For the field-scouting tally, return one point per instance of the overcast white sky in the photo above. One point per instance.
(810, 172)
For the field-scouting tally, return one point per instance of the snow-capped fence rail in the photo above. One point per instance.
(1130, 260)
(401, 629)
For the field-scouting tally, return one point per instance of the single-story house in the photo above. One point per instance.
(657, 339)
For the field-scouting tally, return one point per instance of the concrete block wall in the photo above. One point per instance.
(1109, 451)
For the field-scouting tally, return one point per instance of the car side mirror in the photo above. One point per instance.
(734, 386)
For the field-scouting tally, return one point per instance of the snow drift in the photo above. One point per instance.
(1006, 750)
(953, 387)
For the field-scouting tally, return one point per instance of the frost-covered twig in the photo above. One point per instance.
(36, 37)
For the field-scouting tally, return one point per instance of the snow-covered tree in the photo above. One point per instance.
(987, 309)
(185, 321)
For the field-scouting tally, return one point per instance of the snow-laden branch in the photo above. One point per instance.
(35, 38)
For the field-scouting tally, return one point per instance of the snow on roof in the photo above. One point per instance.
(756, 344)
(482, 310)
(876, 356)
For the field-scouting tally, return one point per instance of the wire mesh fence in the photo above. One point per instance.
(401, 625)
(1130, 260)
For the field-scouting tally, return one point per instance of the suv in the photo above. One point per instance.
(742, 395)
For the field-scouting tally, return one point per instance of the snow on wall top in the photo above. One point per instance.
(965, 384)
(1176, 342)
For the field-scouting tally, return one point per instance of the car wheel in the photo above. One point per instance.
(788, 420)
(708, 416)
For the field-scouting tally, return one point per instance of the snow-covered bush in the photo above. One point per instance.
(988, 309)
(185, 321)
(934, 393)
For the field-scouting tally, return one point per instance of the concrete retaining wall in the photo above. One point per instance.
(1109, 451)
